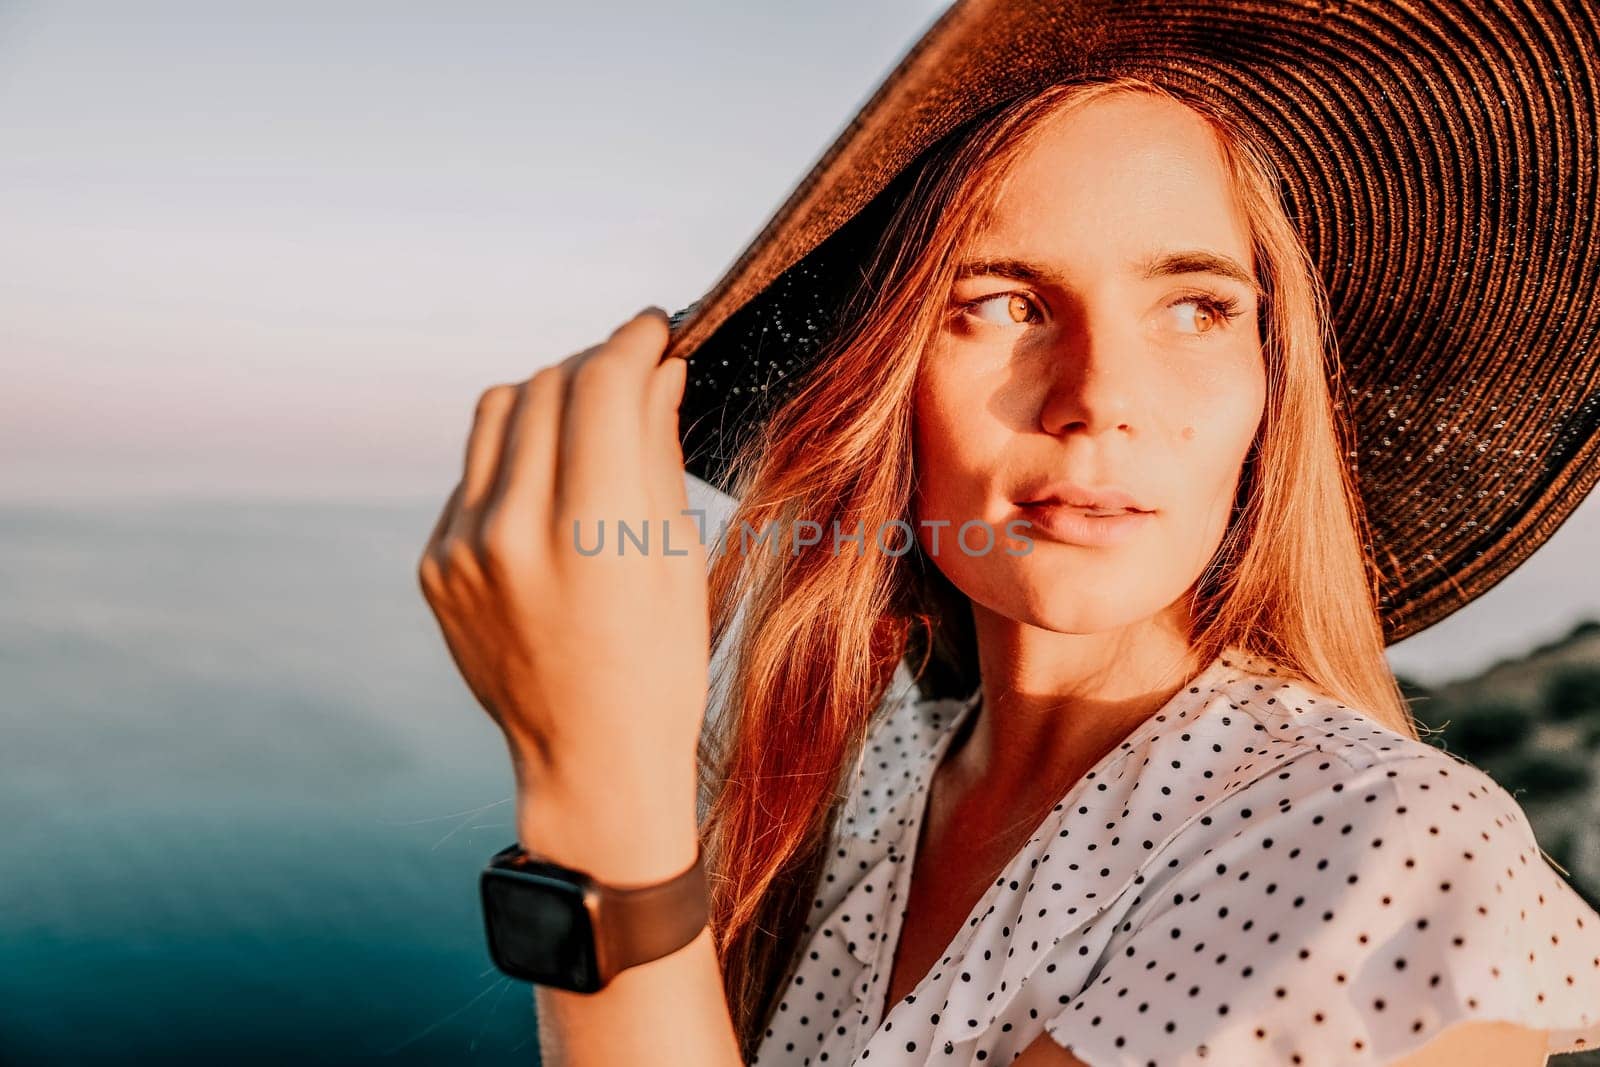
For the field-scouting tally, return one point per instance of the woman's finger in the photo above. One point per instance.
(602, 421)
(525, 485)
(431, 565)
(456, 552)
(663, 459)
(483, 458)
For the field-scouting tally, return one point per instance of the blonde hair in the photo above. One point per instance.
(820, 633)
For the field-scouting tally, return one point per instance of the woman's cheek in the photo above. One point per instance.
(943, 470)
(1209, 452)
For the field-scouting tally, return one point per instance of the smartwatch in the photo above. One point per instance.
(556, 926)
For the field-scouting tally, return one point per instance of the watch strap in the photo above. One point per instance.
(644, 923)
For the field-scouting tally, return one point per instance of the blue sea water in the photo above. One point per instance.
(245, 796)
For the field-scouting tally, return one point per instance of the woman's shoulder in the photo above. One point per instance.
(1320, 765)
(1347, 759)
(1368, 887)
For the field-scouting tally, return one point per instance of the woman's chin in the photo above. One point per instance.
(1068, 596)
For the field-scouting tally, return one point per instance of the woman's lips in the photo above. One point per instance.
(1084, 526)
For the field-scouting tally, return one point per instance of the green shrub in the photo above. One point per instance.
(1563, 849)
(1541, 776)
(1487, 731)
(1584, 629)
(1573, 693)
(1426, 706)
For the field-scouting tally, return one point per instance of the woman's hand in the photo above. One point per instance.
(593, 664)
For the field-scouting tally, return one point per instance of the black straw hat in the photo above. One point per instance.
(1440, 162)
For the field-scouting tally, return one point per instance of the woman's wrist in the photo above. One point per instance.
(617, 831)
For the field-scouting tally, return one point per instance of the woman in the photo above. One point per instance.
(1134, 837)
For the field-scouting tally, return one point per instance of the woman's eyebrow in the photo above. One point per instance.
(1157, 265)
(1197, 261)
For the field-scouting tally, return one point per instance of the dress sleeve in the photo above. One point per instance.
(1377, 906)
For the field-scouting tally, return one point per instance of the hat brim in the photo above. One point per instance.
(1440, 161)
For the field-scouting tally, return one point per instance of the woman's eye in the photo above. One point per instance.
(1002, 309)
(1198, 315)
(1195, 315)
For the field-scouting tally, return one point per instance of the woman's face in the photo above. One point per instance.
(1096, 338)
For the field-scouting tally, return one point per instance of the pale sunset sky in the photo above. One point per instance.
(277, 249)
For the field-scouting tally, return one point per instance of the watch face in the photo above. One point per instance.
(539, 929)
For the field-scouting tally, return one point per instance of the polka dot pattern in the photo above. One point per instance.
(1256, 874)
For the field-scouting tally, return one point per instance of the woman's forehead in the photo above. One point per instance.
(1111, 180)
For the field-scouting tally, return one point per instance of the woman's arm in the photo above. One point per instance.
(592, 661)
(668, 1011)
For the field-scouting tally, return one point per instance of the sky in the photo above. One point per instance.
(280, 248)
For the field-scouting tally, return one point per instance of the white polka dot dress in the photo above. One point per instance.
(1255, 875)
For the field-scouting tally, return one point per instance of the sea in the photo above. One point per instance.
(245, 795)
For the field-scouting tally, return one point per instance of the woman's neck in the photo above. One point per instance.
(1052, 704)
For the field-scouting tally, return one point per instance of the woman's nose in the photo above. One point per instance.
(1092, 380)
